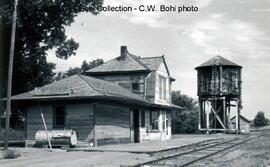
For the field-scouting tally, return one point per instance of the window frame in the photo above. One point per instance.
(154, 121)
(162, 87)
(140, 82)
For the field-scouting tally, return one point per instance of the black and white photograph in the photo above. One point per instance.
(134, 83)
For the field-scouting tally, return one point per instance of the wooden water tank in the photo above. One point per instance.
(57, 137)
(219, 77)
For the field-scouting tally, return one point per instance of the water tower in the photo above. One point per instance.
(219, 92)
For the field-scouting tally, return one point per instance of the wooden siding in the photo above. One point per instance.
(34, 120)
(151, 83)
(123, 80)
(79, 117)
(112, 124)
(244, 126)
(229, 83)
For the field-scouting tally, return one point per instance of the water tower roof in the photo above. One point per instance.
(218, 60)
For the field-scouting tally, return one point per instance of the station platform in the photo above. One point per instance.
(149, 147)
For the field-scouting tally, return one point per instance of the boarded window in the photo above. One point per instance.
(142, 118)
(59, 117)
(162, 88)
(154, 120)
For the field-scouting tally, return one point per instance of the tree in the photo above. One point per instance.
(260, 119)
(86, 66)
(185, 121)
(183, 100)
(40, 27)
(78, 70)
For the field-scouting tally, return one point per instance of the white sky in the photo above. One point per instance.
(235, 29)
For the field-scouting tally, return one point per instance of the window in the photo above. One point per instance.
(142, 118)
(137, 84)
(59, 117)
(154, 120)
(162, 88)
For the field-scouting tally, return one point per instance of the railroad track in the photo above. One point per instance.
(193, 154)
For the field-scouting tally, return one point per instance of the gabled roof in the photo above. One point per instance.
(116, 65)
(218, 60)
(241, 117)
(152, 62)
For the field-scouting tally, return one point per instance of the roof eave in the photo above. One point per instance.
(199, 67)
(123, 100)
(118, 72)
(98, 97)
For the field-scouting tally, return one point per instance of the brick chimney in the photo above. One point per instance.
(124, 53)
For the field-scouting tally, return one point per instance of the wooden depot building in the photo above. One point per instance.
(244, 124)
(124, 100)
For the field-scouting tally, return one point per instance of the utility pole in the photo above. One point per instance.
(10, 69)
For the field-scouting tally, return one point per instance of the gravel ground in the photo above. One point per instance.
(255, 153)
(39, 157)
(31, 157)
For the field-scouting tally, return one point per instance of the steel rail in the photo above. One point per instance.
(210, 145)
(218, 151)
(183, 153)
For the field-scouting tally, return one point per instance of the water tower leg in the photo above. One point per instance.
(229, 111)
(224, 114)
(203, 115)
(207, 122)
(238, 113)
(200, 114)
(237, 117)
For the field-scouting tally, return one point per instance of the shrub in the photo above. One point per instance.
(9, 154)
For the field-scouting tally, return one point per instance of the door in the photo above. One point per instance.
(136, 123)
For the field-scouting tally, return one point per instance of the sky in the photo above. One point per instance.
(238, 30)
